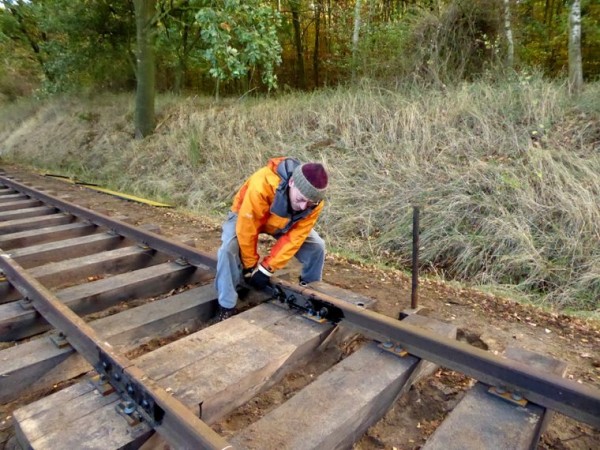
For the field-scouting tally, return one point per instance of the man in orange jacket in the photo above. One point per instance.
(283, 199)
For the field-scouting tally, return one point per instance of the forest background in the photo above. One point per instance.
(484, 113)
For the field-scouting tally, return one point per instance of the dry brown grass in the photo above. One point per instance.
(506, 174)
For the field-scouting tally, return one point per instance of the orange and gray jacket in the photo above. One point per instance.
(263, 206)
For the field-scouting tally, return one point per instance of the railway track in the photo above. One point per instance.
(84, 292)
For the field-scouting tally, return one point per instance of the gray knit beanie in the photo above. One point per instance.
(311, 180)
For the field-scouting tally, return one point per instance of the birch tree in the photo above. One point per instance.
(145, 70)
(510, 46)
(355, 36)
(575, 64)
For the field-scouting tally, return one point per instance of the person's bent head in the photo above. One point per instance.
(307, 186)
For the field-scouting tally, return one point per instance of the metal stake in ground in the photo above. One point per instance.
(414, 295)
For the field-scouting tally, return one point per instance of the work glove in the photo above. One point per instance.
(247, 273)
(260, 277)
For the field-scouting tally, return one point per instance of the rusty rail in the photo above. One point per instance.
(551, 391)
(193, 256)
(567, 397)
(166, 414)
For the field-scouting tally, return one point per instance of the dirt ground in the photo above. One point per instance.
(483, 320)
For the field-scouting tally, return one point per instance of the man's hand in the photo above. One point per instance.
(259, 278)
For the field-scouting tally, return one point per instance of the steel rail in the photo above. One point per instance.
(568, 397)
(176, 422)
(193, 256)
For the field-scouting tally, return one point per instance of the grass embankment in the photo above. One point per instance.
(507, 175)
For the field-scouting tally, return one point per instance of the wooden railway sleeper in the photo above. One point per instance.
(572, 399)
(177, 250)
(578, 401)
(319, 310)
(162, 411)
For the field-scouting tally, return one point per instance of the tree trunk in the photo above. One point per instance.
(355, 35)
(182, 57)
(180, 72)
(510, 46)
(575, 64)
(144, 95)
(300, 73)
(318, 8)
